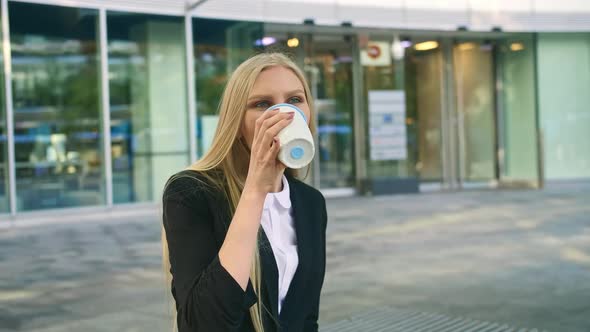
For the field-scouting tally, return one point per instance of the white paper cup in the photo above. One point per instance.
(297, 148)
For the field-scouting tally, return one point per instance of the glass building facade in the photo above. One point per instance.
(56, 107)
(148, 103)
(99, 107)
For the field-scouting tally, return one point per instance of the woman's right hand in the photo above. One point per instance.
(265, 169)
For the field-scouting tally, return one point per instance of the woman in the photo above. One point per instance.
(245, 239)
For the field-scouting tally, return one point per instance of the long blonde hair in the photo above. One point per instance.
(230, 155)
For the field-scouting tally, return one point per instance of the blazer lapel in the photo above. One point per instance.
(270, 273)
(300, 217)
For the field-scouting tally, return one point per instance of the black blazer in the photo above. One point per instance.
(208, 299)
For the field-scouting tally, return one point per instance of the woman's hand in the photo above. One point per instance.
(265, 168)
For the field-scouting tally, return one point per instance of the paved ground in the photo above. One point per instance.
(515, 257)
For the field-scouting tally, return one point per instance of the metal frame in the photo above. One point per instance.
(458, 115)
(359, 123)
(497, 116)
(6, 49)
(105, 106)
(412, 33)
(191, 86)
(135, 8)
(538, 130)
(500, 115)
(310, 51)
(449, 123)
(444, 122)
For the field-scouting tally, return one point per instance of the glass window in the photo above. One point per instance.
(55, 68)
(518, 133)
(328, 66)
(563, 64)
(424, 89)
(220, 46)
(148, 103)
(473, 72)
(392, 134)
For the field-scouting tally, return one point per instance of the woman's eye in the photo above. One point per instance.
(295, 100)
(262, 104)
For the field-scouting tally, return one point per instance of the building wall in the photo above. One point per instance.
(56, 92)
(540, 15)
(481, 15)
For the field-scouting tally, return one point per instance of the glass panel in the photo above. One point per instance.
(149, 127)
(424, 87)
(220, 46)
(295, 46)
(384, 71)
(517, 102)
(329, 71)
(4, 190)
(55, 68)
(564, 83)
(474, 86)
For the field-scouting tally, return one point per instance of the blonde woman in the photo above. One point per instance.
(243, 238)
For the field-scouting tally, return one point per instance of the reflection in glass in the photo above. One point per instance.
(148, 103)
(424, 86)
(474, 86)
(518, 125)
(55, 77)
(329, 71)
(220, 46)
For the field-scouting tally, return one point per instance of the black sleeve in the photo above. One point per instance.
(207, 297)
(311, 321)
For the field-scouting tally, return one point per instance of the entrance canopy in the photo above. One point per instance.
(479, 15)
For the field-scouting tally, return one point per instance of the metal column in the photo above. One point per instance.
(9, 107)
(190, 85)
(449, 121)
(359, 132)
(105, 105)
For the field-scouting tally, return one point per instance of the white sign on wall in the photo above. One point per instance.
(387, 125)
(376, 54)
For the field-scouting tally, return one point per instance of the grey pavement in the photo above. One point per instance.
(516, 257)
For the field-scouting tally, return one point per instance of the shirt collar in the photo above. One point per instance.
(283, 197)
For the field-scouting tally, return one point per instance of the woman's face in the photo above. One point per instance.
(274, 85)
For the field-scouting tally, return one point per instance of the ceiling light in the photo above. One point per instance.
(293, 42)
(427, 45)
(516, 47)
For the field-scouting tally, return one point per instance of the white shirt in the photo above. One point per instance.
(279, 227)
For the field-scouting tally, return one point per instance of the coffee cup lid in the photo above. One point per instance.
(291, 106)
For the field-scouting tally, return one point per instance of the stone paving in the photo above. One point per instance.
(515, 257)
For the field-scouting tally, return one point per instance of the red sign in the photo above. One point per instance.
(373, 51)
